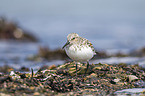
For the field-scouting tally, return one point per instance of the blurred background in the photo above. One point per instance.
(109, 25)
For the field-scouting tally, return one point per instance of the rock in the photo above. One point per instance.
(72, 71)
(48, 54)
(36, 94)
(131, 92)
(14, 75)
(24, 69)
(52, 67)
(97, 68)
(5, 78)
(9, 30)
(6, 69)
(132, 77)
(114, 81)
(139, 83)
(92, 75)
(3, 94)
(139, 52)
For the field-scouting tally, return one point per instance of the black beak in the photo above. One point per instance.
(65, 44)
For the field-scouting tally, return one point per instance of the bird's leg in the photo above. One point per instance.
(76, 68)
(87, 67)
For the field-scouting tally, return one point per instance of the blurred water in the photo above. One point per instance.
(109, 34)
(110, 24)
(117, 60)
(15, 54)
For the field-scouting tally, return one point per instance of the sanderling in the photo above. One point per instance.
(79, 49)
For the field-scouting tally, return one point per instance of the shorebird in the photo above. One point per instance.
(79, 49)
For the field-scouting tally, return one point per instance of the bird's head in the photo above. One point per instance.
(71, 38)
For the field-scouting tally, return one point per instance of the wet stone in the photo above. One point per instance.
(132, 77)
(24, 69)
(5, 79)
(139, 83)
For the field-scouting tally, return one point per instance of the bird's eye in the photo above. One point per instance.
(73, 38)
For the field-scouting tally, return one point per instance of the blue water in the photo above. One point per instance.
(107, 24)
(15, 54)
(103, 34)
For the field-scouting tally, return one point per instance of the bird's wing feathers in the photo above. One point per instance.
(86, 41)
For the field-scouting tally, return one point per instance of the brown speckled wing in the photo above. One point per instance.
(85, 41)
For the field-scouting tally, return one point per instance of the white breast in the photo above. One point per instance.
(80, 54)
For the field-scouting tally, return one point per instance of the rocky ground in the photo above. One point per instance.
(100, 79)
